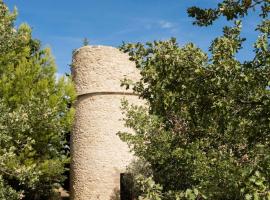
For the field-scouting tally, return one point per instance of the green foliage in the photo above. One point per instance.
(231, 9)
(150, 190)
(36, 113)
(85, 42)
(205, 133)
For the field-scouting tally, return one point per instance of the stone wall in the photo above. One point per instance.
(98, 155)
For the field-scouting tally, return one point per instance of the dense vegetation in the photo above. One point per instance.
(206, 131)
(36, 113)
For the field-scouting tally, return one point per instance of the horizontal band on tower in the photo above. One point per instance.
(106, 93)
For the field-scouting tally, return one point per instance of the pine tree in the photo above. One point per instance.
(36, 113)
(85, 42)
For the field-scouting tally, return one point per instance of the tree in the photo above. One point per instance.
(36, 113)
(85, 42)
(231, 9)
(205, 133)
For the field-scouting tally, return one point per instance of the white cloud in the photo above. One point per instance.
(166, 24)
(150, 24)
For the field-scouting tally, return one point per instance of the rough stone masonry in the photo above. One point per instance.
(98, 156)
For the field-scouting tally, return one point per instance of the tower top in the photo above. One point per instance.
(100, 69)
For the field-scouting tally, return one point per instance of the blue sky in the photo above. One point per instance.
(62, 24)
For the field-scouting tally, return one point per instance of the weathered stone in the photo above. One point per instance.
(98, 155)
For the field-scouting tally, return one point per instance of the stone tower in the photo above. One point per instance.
(98, 155)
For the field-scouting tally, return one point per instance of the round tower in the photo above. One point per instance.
(98, 156)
